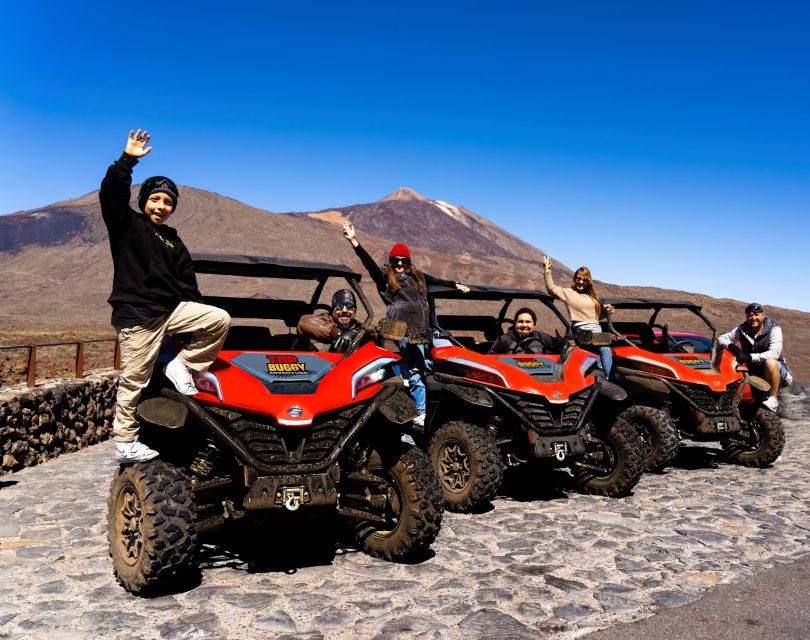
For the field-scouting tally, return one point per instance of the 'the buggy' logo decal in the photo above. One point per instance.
(285, 365)
(530, 364)
(693, 361)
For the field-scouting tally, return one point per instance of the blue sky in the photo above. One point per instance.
(662, 144)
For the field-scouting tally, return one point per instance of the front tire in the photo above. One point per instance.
(760, 441)
(613, 460)
(469, 465)
(413, 511)
(658, 434)
(150, 527)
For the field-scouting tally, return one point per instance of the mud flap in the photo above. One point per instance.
(164, 412)
(399, 408)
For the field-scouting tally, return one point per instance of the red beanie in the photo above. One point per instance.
(399, 250)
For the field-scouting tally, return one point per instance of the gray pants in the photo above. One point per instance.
(140, 347)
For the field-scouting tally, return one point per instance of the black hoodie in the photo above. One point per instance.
(152, 269)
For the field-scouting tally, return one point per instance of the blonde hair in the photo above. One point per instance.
(584, 272)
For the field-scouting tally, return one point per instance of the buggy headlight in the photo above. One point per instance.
(476, 371)
(374, 372)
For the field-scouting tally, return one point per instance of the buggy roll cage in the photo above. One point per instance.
(488, 293)
(656, 305)
(268, 308)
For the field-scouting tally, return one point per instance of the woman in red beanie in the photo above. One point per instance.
(403, 288)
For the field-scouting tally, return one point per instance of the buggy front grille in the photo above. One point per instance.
(712, 402)
(548, 418)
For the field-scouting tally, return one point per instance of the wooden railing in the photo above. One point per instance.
(31, 372)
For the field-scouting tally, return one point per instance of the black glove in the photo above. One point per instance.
(735, 349)
(343, 341)
(744, 358)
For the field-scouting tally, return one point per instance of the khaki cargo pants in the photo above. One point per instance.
(140, 347)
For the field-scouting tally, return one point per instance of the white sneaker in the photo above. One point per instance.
(771, 403)
(133, 452)
(419, 421)
(180, 377)
(407, 438)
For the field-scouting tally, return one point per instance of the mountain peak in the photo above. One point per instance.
(403, 193)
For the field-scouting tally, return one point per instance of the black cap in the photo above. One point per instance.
(344, 296)
(156, 184)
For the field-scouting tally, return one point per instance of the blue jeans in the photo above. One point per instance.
(415, 363)
(606, 356)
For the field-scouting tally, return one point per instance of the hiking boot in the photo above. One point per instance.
(180, 377)
(133, 452)
(771, 403)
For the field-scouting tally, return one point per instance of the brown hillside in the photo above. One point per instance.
(57, 268)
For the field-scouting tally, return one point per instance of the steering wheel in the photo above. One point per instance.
(523, 344)
(681, 346)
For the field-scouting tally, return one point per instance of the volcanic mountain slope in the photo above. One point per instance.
(57, 268)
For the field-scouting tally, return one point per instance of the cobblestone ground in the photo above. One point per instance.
(544, 563)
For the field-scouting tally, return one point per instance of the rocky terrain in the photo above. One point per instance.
(57, 268)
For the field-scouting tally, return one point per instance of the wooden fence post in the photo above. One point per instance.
(79, 360)
(32, 366)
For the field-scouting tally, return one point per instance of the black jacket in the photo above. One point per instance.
(509, 340)
(407, 303)
(152, 269)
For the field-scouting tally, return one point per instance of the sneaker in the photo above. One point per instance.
(771, 403)
(133, 452)
(419, 421)
(407, 438)
(180, 377)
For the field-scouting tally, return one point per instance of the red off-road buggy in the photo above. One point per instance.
(675, 388)
(486, 412)
(279, 433)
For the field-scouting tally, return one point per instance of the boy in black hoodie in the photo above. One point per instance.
(154, 293)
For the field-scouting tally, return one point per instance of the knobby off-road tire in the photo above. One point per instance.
(469, 465)
(150, 527)
(613, 460)
(414, 510)
(658, 434)
(760, 441)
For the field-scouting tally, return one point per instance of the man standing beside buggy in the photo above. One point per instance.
(760, 348)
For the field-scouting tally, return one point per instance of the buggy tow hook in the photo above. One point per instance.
(559, 451)
(293, 502)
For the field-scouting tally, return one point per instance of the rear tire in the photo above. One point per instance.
(150, 527)
(613, 460)
(760, 441)
(469, 465)
(659, 437)
(414, 509)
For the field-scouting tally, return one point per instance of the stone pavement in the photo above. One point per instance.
(544, 562)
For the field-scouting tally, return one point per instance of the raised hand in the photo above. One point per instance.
(546, 263)
(348, 231)
(136, 144)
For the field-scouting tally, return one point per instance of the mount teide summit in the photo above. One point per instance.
(57, 269)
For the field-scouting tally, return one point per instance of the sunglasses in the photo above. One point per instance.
(750, 310)
(403, 261)
(344, 307)
(579, 279)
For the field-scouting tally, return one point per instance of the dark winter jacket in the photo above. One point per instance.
(405, 304)
(543, 343)
(152, 269)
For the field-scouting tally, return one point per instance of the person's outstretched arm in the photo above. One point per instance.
(368, 262)
(553, 289)
(114, 194)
